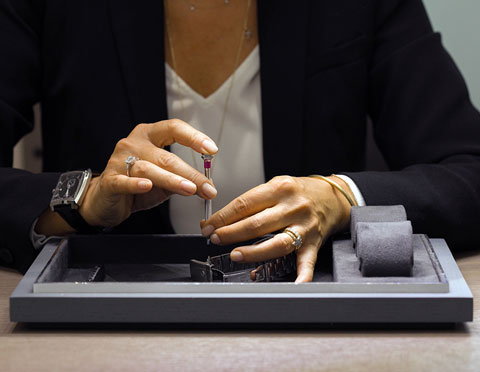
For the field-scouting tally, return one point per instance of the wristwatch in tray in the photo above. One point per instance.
(67, 197)
(222, 269)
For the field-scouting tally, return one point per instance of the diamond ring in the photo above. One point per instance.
(129, 161)
(296, 238)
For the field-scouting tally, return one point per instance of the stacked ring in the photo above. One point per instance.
(297, 240)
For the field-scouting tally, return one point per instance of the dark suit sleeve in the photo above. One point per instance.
(23, 196)
(425, 126)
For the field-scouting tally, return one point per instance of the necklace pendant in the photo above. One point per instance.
(192, 7)
(248, 34)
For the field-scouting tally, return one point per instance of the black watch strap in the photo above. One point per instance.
(75, 220)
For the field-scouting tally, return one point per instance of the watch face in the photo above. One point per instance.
(68, 186)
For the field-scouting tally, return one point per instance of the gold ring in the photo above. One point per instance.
(297, 240)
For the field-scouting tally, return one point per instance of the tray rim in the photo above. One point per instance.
(454, 306)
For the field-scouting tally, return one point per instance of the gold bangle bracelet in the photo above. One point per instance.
(352, 202)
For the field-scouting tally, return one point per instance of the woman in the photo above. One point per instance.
(293, 106)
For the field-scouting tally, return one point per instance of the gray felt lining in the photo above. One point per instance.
(56, 268)
(345, 264)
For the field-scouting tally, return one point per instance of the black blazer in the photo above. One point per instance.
(97, 68)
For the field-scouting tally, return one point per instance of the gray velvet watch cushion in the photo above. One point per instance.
(385, 248)
(390, 213)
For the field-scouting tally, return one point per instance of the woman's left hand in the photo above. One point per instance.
(309, 206)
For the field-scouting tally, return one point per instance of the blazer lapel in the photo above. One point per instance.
(283, 42)
(138, 31)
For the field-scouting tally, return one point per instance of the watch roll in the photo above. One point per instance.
(380, 213)
(385, 248)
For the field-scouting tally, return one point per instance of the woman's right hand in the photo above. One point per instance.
(113, 196)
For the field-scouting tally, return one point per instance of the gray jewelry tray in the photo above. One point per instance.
(146, 280)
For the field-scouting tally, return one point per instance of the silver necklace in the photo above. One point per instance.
(237, 60)
(193, 7)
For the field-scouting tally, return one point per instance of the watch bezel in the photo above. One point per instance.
(77, 198)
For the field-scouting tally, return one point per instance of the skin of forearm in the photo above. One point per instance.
(344, 202)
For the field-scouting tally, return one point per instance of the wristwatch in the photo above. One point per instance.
(67, 197)
(222, 269)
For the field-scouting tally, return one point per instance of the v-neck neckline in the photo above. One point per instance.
(223, 86)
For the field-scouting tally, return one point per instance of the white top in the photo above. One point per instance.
(238, 165)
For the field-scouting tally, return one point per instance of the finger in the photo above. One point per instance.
(278, 246)
(124, 185)
(155, 197)
(247, 204)
(164, 133)
(306, 259)
(162, 178)
(264, 222)
(175, 164)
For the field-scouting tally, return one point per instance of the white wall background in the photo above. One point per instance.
(457, 20)
(459, 23)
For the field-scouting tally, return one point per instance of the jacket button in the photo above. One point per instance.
(6, 256)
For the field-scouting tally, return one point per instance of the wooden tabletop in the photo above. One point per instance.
(24, 348)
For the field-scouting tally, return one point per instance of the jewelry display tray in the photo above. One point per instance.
(147, 280)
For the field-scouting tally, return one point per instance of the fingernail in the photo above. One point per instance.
(209, 147)
(188, 186)
(236, 256)
(207, 230)
(144, 185)
(209, 190)
(299, 280)
(215, 239)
